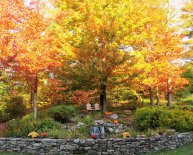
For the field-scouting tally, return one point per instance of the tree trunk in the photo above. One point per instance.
(151, 96)
(169, 94)
(31, 98)
(103, 98)
(169, 98)
(35, 92)
(157, 97)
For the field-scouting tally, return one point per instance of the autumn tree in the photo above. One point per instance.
(149, 59)
(161, 53)
(163, 65)
(171, 59)
(28, 48)
(102, 36)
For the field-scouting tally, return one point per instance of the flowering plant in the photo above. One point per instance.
(107, 113)
(115, 121)
(84, 111)
(126, 135)
(33, 134)
(44, 134)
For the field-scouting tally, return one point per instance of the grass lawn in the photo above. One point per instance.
(3, 153)
(186, 150)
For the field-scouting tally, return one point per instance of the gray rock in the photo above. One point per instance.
(76, 141)
(99, 122)
(80, 124)
(110, 130)
(114, 116)
(109, 124)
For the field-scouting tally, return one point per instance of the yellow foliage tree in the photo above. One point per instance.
(106, 38)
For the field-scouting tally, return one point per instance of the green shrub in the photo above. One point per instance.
(21, 127)
(88, 120)
(130, 105)
(58, 133)
(190, 101)
(82, 132)
(15, 107)
(183, 107)
(146, 118)
(133, 105)
(62, 113)
(46, 124)
(154, 117)
(12, 109)
(3, 116)
(1, 111)
(80, 107)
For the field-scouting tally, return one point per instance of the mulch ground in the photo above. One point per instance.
(2, 128)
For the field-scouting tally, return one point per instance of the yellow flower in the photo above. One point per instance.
(33, 134)
(126, 134)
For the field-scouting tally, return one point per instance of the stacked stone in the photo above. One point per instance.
(117, 146)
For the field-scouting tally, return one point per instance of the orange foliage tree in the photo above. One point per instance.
(28, 48)
(84, 97)
(163, 66)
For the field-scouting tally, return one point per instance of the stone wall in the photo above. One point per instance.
(130, 146)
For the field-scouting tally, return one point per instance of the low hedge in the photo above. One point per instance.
(156, 117)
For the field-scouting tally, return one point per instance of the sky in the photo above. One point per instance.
(178, 3)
